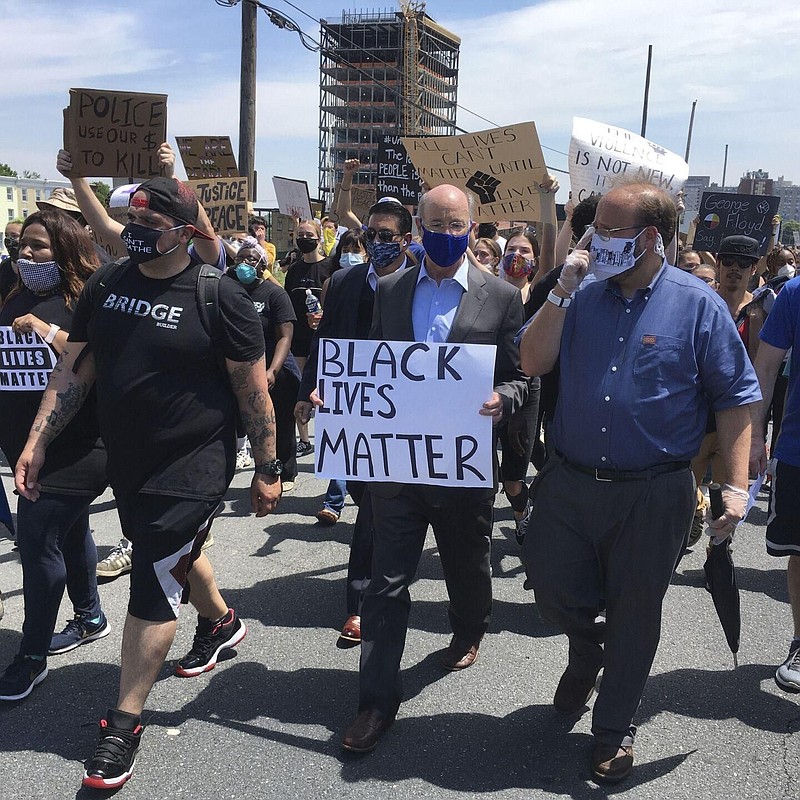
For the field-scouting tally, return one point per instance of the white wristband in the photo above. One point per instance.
(561, 302)
(51, 334)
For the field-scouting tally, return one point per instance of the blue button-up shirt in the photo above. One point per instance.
(638, 376)
(435, 305)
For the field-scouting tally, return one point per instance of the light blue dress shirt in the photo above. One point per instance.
(435, 306)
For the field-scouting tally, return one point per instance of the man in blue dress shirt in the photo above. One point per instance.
(645, 351)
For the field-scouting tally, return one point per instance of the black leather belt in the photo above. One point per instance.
(613, 475)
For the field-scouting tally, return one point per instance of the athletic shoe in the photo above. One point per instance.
(209, 641)
(696, 531)
(21, 675)
(287, 486)
(114, 757)
(116, 563)
(304, 448)
(79, 630)
(327, 517)
(243, 459)
(788, 674)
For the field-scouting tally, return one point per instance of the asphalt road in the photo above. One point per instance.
(267, 722)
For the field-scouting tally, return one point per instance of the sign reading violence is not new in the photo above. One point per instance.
(376, 424)
(207, 157)
(601, 154)
(723, 214)
(502, 168)
(25, 361)
(225, 202)
(115, 134)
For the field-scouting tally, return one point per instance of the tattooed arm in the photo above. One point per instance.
(249, 383)
(66, 390)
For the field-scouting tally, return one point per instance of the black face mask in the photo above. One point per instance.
(12, 246)
(140, 242)
(307, 245)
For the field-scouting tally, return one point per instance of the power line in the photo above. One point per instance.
(314, 45)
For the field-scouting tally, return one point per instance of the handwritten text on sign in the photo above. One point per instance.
(600, 155)
(396, 174)
(115, 134)
(225, 202)
(723, 214)
(405, 412)
(502, 168)
(25, 361)
(207, 157)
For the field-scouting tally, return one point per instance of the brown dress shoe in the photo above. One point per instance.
(352, 629)
(459, 655)
(573, 693)
(365, 730)
(611, 764)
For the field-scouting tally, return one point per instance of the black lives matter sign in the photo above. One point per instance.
(26, 361)
(723, 214)
(114, 134)
(397, 176)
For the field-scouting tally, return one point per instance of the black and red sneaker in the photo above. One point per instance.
(210, 639)
(115, 754)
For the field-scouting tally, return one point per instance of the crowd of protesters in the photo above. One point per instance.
(602, 394)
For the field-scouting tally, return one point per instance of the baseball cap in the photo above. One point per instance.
(62, 198)
(171, 197)
(739, 245)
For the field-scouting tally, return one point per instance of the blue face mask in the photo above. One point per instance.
(381, 254)
(246, 273)
(444, 249)
(350, 259)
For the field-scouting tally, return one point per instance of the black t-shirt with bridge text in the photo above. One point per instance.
(167, 412)
(75, 461)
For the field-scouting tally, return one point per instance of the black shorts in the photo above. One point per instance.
(167, 534)
(783, 524)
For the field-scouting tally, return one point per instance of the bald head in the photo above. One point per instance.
(646, 204)
(444, 199)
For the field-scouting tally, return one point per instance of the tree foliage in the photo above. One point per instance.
(7, 172)
(101, 190)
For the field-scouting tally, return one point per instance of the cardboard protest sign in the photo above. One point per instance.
(225, 202)
(207, 157)
(26, 361)
(375, 423)
(600, 154)
(723, 214)
(362, 198)
(502, 168)
(292, 196)
(396, 174)
(115, 134)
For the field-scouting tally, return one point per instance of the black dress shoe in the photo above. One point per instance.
(573, 693)
(459, 655)
(611, 764)
(365, 730)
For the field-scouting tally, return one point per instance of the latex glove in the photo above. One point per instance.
(576, 265)
(735, 502)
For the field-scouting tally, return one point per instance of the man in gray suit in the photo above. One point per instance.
(445, 299)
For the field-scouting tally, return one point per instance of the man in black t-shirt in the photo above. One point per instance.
(167, 408)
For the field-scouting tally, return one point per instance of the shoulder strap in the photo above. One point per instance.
(111, 273)
(208, 301)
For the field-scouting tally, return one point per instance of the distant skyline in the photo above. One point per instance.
(543, 61)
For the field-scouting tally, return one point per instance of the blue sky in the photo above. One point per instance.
(544, 61)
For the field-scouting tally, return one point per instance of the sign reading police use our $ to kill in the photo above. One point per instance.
(405, 412)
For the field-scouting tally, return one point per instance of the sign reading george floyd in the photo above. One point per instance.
(376, 424)
(601, 154)
(396, 174)
(207, 157)
(225, 202)
(723, 214)
(502, 168)
(115, 134)
(26, 361)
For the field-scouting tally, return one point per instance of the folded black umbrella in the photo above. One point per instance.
(721, 580)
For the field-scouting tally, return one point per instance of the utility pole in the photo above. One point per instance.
(725, 168)
(647, 88)
(247, 90)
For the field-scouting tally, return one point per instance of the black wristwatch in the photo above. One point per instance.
(273, 468)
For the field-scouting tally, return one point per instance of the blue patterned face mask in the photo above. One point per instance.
(381, 254)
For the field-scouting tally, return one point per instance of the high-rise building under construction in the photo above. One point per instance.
(382, 72)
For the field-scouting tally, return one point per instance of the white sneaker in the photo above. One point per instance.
(243, 460)
(788, 674)
(116, 563)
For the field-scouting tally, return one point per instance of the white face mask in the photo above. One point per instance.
(786, 271)
(350, 259)
(612, 257)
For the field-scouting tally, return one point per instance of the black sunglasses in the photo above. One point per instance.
(743, 261)
(384, 235)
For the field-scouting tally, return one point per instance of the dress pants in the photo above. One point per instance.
(620, 541)
(463, 536)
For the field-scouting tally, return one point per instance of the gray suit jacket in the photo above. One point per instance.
(490, 312)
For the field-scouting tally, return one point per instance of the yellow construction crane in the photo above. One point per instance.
(412, 10)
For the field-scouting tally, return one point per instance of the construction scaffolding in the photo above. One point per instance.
(382, 72)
